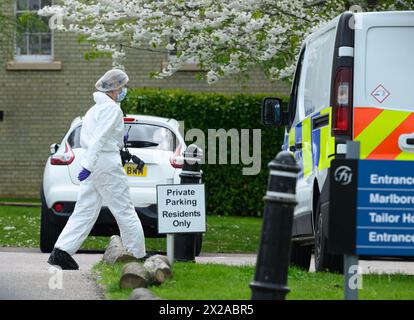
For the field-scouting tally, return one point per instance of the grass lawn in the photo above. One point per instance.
(19, 227)
(212, 281)
(30, 200)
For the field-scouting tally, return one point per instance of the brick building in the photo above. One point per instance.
(45, 82)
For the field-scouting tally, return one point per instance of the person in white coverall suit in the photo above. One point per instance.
(102, 177)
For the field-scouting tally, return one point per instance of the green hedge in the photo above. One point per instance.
(228, 192)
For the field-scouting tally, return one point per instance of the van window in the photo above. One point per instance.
(318, 72)
(293, 111)
(389, 67)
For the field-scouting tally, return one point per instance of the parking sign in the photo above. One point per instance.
(181, 208)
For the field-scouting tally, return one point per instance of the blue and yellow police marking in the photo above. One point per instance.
(307, 146)
(327, 142)
(316, 144)
(298, 152)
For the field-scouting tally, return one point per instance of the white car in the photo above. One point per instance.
(157, 141)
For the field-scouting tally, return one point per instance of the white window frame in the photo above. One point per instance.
(189, 65)
(173, 57)
(31, 57)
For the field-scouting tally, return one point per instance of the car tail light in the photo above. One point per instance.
(63, 159)
(129, 119)
(176, 159)
(58, 207)
(342, 102)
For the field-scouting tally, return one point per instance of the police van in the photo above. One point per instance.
(354, 80)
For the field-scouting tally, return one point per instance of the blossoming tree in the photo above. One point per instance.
(224, 36)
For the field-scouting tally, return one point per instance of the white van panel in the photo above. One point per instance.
(390, 64)
(384, 64)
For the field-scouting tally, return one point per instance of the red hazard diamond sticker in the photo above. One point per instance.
(380, 93)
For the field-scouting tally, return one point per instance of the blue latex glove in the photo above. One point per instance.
(126, 136)
(83, 174)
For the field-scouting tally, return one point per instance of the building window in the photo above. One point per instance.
(33, 37)
(172, 56)
(190, 65)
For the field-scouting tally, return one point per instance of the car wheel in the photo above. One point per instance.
(300, 256)
(49, 232)
(198, 243)
(324, 261)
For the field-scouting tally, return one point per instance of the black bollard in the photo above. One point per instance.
(185, 243)
(270, 280)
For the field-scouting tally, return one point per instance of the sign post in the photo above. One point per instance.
(351, 260)
(181, 209)
(170, 248)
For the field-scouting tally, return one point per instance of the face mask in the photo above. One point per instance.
(121, 95)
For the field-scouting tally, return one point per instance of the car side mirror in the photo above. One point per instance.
(272, 114)
(54, 148)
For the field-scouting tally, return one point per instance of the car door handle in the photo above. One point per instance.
(296, 147)
(406, 142)
(410, 141)
(320, 121)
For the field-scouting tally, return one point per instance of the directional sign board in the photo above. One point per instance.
(385, 208)
(181, 208)
(371, 207)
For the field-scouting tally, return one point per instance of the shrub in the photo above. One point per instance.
(228, 192)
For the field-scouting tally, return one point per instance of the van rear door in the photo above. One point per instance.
(383, 117)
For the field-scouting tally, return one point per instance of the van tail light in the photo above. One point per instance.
(63, 159)
(342, 102)
(177, 160)
(129, 119)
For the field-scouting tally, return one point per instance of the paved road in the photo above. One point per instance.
(368, 266)
(24, 274)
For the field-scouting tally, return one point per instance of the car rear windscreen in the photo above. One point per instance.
(150, 136)
(140, 136)
(74, 138)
